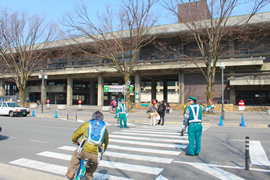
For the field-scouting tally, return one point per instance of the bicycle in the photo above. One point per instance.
(85, 164)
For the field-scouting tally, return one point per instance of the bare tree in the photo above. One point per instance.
(23, 42)
(118, 40)
(210, 25)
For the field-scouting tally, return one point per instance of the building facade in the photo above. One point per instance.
(169, 77)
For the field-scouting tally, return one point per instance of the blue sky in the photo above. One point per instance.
(53, 10)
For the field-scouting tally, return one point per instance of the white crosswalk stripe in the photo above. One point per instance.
(120, 150)
(257, 154)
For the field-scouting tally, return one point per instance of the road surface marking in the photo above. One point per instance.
(160, 177)
(176, 146)
(37, 141)
(212, 170)
(57, 169)
(151, 132)
(257, 154)
(110, 154)
(127, 148)
(153, 135)
(131, 167)
(150, 139)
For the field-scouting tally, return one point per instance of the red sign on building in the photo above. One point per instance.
(80, 101)
(48, 101)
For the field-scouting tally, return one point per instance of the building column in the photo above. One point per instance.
(232, 89)
(100, 90)
(43, 87)
(153, 89)
(69, 90)
(2, 87)
(138, 88)
(181, 87)
(231, 48)
(92, 92)
(165, 91)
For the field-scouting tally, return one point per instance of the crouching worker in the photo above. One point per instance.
(193, 119)
(94, 139)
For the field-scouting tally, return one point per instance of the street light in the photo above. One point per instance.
(222, 67)
(42, 76)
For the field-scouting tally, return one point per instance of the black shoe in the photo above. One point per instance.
(126, 127)
(196, 154)
(187, 154)
(182, 133)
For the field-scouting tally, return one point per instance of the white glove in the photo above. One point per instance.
(126, 115)
(184, 127)
(212, 105)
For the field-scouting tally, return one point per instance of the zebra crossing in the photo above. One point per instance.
(137, 153)
(133, 150)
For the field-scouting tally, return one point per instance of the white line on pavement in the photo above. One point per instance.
(212, 170)
(127, 148)
(110, 154)
(176, 146)
(150, 139)
(153, 135)
(57, 169)
(257, 154)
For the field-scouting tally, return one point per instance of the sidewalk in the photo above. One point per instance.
(232, 118)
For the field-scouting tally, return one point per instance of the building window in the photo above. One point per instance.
(153, 57)
(244, 52)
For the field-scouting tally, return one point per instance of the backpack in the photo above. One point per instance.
(96, 132)
(161, 108)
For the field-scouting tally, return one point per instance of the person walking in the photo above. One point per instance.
(153, 113)
(193, 119)
(117, 109)
(184, 110)
(88, 150)
(123, 114)
(161, 112)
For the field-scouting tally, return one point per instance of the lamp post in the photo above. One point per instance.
(42, 76)
(222, 67)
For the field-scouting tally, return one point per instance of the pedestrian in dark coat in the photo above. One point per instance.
(161, 112)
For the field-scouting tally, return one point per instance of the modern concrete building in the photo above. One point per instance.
(170, 78)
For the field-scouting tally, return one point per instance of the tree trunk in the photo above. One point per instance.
(126, 78)
(22, 93)
(209, 91)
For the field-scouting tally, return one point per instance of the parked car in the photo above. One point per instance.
(0, 128)
(12, 109)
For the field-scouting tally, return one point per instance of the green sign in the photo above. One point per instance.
(106, 88)
(130, 88)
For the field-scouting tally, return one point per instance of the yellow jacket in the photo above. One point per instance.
(82, 131)
(185, 106)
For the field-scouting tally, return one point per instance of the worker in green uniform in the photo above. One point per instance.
(123, 114)
(193, 119)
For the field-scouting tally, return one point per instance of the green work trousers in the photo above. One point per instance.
(117, 111)
(121, 118)
(194, 135)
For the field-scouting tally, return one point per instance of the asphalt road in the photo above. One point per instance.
(139, 152)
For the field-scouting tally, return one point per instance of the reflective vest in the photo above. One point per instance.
(122, 109)
(195, 114)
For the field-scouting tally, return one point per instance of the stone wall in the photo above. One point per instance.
(227, 107)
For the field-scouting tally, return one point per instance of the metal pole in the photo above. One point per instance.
(247, 158)
(222, 101)
(42, 92)
(76, 115)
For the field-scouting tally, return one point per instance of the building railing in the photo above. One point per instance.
(86, 62)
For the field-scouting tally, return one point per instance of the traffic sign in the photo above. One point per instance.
(241, 105)
(119, 88)
(80, 101)
(48, 101)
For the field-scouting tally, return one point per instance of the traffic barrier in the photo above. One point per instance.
(220, 121)
(33, 113)
(55, 116)
(242, 122)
